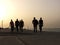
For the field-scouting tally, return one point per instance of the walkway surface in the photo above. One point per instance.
(29, 38)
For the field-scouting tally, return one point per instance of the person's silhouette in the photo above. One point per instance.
(40, 24)
(17, 24)
(21, 25)
(35, 23)
(12, 25)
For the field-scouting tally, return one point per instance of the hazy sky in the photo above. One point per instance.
(49, 10)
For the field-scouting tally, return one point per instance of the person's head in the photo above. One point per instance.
(17, 19)
(11, 20)
(40, 18)
(34, 18)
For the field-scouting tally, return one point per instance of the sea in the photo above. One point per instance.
(51, 29)
(44, 29)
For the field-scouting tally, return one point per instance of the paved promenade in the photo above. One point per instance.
(29, 38)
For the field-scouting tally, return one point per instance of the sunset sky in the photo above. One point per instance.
(49, 10)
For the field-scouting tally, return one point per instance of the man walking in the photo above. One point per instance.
(40, 24)
(35, 23)
(12, 25)
(17, 24)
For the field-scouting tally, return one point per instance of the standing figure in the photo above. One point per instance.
(21, 25)
(12, 25)
(17, 24)
(40, 24)
(35, 23)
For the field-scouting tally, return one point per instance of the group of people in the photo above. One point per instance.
(18, 24)
(35, 22)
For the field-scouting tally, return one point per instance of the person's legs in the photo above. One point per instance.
(36, 29)
(17, 28)
(40, 29)
(11, 29)
(22, 29)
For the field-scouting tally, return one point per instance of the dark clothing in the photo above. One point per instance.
(21, 25)
(40, 25)
(17, 24)
(35, 23)
(12, 25)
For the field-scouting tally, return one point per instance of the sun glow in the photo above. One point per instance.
(2, 11)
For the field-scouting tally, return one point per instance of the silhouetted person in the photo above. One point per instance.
(21, 25)
(17, 24)
(40, 24)
(35, 23)
(12, 25)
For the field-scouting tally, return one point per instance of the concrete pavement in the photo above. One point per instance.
(10, 40)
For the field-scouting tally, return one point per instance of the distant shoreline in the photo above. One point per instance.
(44, 29)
